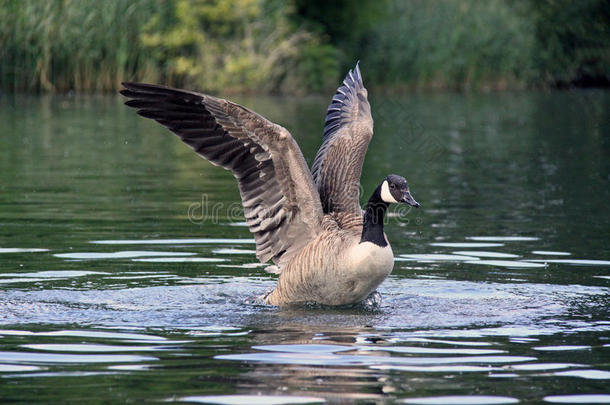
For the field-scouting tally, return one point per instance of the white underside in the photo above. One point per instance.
(367, 265)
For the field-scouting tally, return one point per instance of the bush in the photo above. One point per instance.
(451, 44)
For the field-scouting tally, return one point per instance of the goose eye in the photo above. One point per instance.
(392, 186)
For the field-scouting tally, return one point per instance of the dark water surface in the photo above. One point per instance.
(127, 274)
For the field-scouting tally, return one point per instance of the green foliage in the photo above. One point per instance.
(240, 45)
(446, 43)
(301, 46)
(572, 41)
(346, 23)
(229, 45)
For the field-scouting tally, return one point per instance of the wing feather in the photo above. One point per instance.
(348, 130)
(281, 204)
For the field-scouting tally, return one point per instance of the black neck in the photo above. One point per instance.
(374, 213)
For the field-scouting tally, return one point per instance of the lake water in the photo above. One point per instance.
(127, 274)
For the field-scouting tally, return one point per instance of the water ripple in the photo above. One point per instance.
(190, 241)
(119, 255)
(22, 250)
(27, 357)
(461, 400)
(578, 399)
(251, 399)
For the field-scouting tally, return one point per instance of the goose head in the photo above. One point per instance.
(395, 189)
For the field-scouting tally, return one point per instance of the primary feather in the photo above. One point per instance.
(281, 206)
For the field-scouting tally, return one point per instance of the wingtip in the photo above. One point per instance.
(124, 88)
(357, 71)
(129, 86)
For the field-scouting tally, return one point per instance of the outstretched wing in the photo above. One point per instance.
(347, 133)
(281, 204)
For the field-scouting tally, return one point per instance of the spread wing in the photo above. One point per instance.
(347, 132)
(281, 205)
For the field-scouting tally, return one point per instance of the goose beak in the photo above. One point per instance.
(407, 198)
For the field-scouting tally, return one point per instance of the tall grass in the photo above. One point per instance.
(298, 45)
(92, 45)
(451, 44)
(81, 45)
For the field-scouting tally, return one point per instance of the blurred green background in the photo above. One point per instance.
(302, 46)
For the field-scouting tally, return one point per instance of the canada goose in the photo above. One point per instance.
(310, 224)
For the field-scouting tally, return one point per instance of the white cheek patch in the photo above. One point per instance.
(386, 196)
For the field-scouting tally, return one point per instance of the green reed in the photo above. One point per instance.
(295, 46)
(452, 44)
(81, 45)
